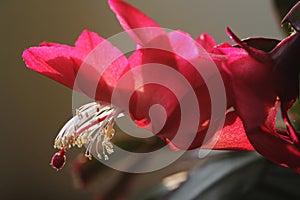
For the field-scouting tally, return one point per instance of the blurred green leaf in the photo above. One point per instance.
(277, 183)
(220, 176)
(239, 175)
(227, 177)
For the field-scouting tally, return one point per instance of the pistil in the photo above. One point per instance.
(91, 126)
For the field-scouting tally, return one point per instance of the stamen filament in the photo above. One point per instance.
(92, 125)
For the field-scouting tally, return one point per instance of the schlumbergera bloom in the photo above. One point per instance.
(261, 75)
(93, 123)
(98, 73)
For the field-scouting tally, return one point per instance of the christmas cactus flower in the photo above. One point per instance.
(107, 68)
(259, 75)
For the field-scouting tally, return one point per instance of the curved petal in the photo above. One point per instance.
(257, 54)
(252, 86)
(206, 41)
(86, 42)
(286, 59)
(54, 62)
(186, 57)
(133, 21)
(275, 148)
(96, 69)
(151, 65)
(61, 62)
(101, 66)
(232, 137)
(162, 67)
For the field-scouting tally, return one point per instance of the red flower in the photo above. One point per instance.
(93, 122)
(255, 78)
(177, 50)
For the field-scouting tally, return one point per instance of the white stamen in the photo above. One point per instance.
(92, 125)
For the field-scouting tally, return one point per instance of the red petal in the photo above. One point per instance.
(54, 62)
(232, 137)
(252, 86)
(275, 148)
(150, 94)
(87, 42)
(61, 62)
(160, 78)
(101, 66)
(207, 42)
(95, 68)
(131, 18)
(183, 55)
(258, 55)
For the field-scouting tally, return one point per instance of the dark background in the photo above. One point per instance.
(33, 108)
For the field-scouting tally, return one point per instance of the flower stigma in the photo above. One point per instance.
(92, 126)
